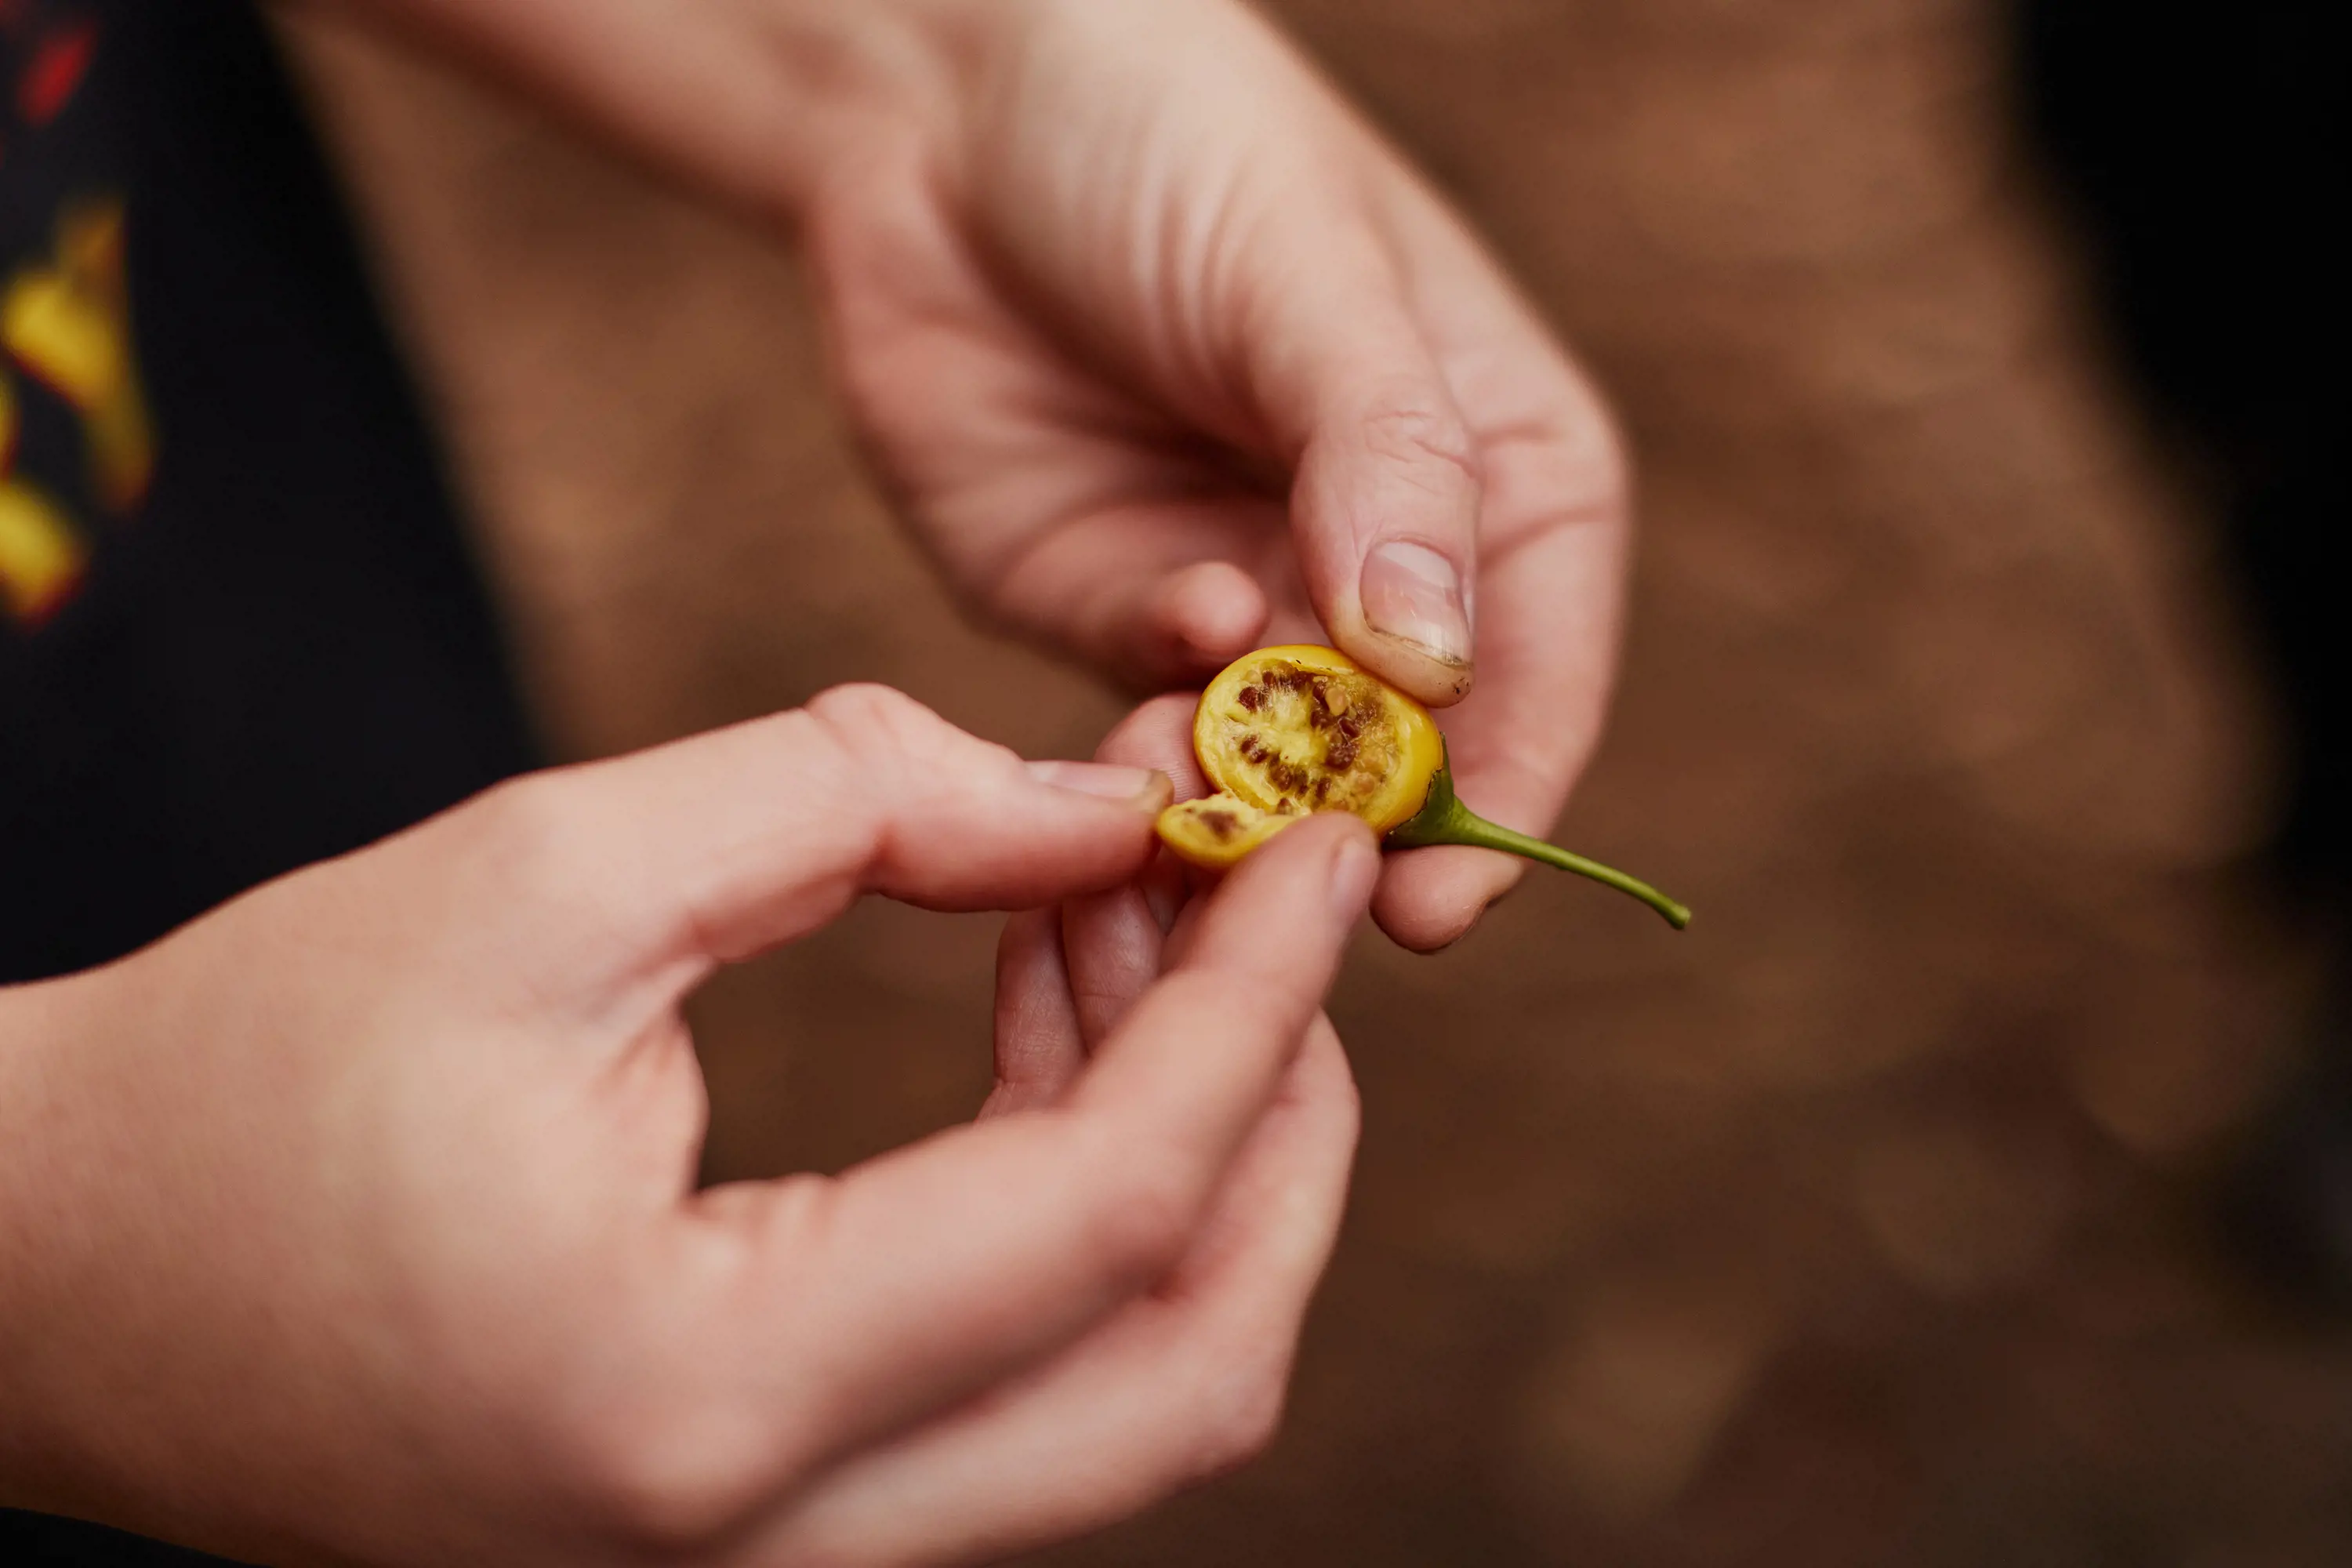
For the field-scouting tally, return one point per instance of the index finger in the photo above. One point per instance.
(656, 867)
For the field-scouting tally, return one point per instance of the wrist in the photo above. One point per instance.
(853, 85)
(756, 102)
(899, 78)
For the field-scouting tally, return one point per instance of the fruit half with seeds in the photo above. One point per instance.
(1287, 731)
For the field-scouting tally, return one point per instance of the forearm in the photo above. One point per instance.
(754, 103)
(33, 1021)
(83, 1184)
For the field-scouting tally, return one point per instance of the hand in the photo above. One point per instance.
(1162, 351)
(1146, 280)
(1188, 1377)
(356, 1221)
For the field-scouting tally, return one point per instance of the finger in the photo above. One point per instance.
(1523, 739)
(668, 861)
(1039, 1050)
(1064, 507)
(938, 1270)
(1385, 502)
(1175, 1387)
(1158, 735)
(1112, 942)
(1555, 529)
(1164, 592)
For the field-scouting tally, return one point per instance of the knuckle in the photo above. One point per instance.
(886, 737)
(1576, 451)
(1416, 431)
(529, 829)
(1597, 450)
(667, 1476)
(867, 712)
(1347, 1100)
(1144, 1222)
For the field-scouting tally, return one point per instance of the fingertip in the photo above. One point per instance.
(1331, 852)
(1386, 520)
(1275, 929)
(1416, 606)
(1428, 900)
(967, 826)
(1429, 679)
(1207, 614)
(1355, 869)
(1158, 735)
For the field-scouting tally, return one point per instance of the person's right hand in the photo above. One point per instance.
(1163, 351)
(357, 1221)
(1166, 355)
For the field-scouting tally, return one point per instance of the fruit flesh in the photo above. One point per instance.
(1217, 830)
(1301, 728)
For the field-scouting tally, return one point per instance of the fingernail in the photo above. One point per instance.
(1413, 594)
(1355, 866)
(1143, 786)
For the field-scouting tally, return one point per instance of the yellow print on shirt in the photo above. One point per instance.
(65, 321)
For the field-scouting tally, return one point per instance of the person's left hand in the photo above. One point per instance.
(357, 1220)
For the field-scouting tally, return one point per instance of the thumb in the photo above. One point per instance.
(1384, 508)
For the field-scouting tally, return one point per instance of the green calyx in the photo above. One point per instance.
(1443, 819)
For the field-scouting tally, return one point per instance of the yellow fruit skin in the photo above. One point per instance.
(1182, 828)
(1421, 749)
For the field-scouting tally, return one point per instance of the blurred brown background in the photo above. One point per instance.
(1867, 1224)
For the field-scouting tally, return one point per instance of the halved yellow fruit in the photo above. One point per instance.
(1302, 729)
(1286, 731)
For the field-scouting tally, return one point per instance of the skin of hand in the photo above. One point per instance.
(1162, 351)
(357, 1221)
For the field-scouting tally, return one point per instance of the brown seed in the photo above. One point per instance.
(1342, 754)
(1250, 697)
(1221, 822)
(1350, 728)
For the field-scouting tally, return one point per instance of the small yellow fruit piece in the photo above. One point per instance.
(1286, 731)
(1216, 830)
(1301, 728)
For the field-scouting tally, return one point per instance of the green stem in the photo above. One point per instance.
(1443, 819)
